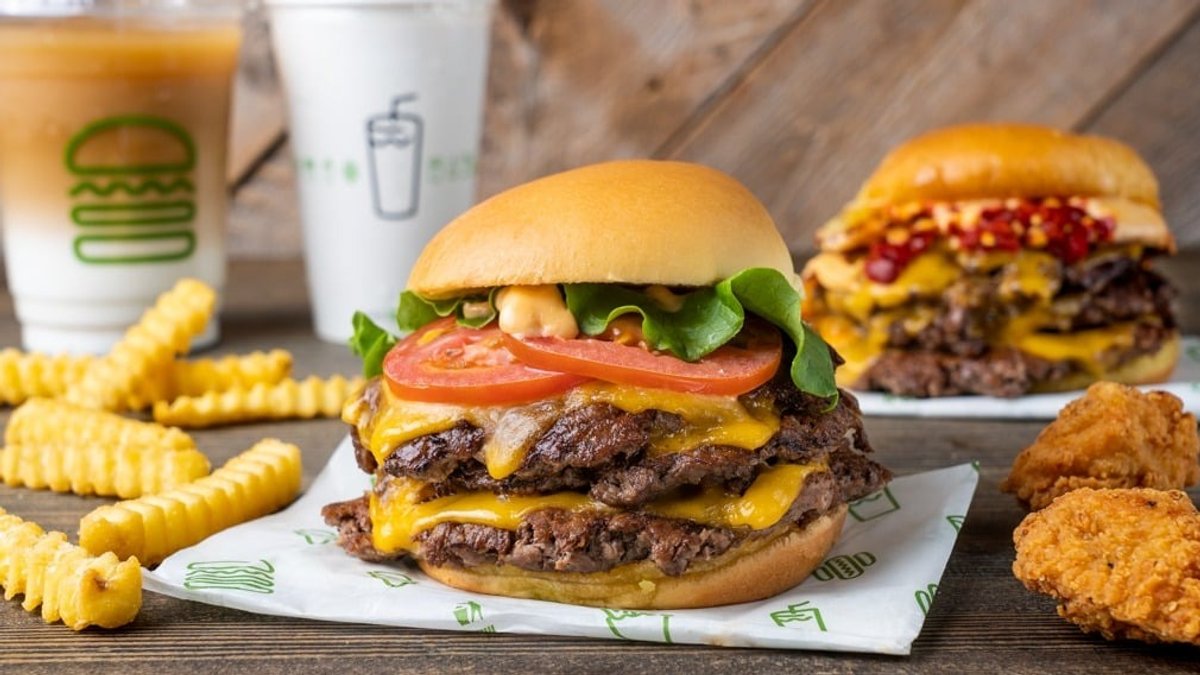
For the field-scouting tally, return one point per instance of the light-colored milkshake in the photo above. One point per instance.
(113, 133)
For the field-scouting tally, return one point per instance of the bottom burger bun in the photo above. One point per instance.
(753, 571)
(1149, 368)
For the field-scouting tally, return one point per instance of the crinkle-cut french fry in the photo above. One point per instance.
(25, 375)
(253, 484)
(67, 583)
(123, 471)
(46, 422)
(199, 377)
(147, 348)
(289, 399)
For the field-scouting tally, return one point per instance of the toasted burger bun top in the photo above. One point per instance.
(633, 221)
(997, 161)
(1009, 160)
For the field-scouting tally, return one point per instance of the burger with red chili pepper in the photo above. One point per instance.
(604, 394)
(999, 260)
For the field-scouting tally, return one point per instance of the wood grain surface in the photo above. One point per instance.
(797, 98)
(982, 620)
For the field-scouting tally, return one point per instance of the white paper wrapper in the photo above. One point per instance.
(870, 595)
(1185, 383)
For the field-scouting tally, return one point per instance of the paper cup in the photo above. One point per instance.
(113, 134)
(386, 106)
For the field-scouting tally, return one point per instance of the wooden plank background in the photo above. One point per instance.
(797, 98)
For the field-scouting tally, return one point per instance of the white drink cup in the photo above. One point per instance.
(113, 134)
(385, 101)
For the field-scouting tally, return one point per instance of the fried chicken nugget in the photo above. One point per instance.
(1115, 436)
(1124, 563)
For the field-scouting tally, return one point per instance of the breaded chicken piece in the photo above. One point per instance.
(1115, 436)
(1124, 563)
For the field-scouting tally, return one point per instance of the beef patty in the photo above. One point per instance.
(1110, 291)
(1005, 372)
(600, 449)
(595, 541)
(952, 354)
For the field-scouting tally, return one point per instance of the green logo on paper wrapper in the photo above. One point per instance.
(1193, 352)
(956, 522)
(875, 505)
(844, 566)
(471, 612)
(799, 613)
(628, 624)
(924, 597)
(392, 579)
(232, 575)
(316, 536)
(134, 202)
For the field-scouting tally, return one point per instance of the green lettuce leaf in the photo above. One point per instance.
(710, 317)
(415, 311)
(370, 343)
(706, 319)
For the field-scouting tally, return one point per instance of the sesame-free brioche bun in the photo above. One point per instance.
(998, 161)
(755, 570)
(976, 161)
(631, 221)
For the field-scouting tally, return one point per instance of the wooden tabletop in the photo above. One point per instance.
(982, 620)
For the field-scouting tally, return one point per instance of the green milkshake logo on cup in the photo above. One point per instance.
(133, 202)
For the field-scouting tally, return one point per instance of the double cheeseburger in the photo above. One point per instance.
(606, 396)
(1000, 260)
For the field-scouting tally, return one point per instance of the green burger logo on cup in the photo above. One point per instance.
(137, 212)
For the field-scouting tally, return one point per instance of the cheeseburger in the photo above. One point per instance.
(999, 260)
(605, 395)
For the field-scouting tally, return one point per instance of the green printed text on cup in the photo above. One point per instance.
(874, 506)
(628, 624)
(231, 575)
(799, 613)
(844, 566)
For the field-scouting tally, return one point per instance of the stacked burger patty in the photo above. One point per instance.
(598, 450)
(951, 353)
(998, 260)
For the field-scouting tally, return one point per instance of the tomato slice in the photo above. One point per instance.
(445, 363)
(730, 370)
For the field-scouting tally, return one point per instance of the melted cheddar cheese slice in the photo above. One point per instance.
(512, 430)
(398, 516)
